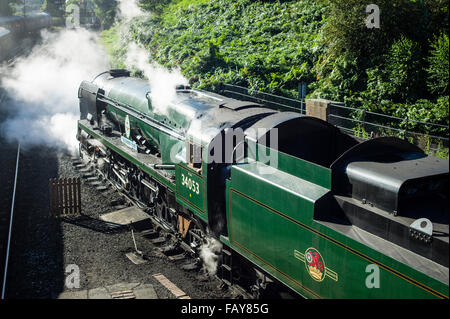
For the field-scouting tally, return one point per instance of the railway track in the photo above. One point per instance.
(159, 234)
(8, 166)
(9, 169)
(167, 244)
(9, 162)
(23, 49)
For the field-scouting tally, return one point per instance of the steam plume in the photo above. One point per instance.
(209, 255)
(162, 81)
(128, 9)
(44, 85)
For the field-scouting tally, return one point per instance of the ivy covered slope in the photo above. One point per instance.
(266, 45)
(399, 69)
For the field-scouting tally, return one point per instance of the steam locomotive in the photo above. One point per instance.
(294, 202)
(12, 29)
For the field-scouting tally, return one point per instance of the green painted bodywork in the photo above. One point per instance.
(289, 164)
(270, 207)
(132, 100)
(271, 222)
(195, 202)
(154, 173)
(159, 140)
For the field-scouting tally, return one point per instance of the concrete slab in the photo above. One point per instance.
(133, 290)
(126, 294)
(135, 258)
(99, 293)
(177, 292)
(125, 216)
(79, 294)
(122, 286)
(145, 291)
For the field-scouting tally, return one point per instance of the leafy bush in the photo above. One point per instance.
(105, 10)
(265, 45)
(438, 71)
(271, 46)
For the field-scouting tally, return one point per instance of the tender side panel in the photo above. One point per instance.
(270, 223)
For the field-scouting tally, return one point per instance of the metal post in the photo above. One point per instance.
(364, 121)
(301, 94)
(406, 129)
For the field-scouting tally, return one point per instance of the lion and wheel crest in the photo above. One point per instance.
(315, 265)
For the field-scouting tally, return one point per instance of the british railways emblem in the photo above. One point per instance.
(315, 265)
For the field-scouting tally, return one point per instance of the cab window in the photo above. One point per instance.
(195, 156)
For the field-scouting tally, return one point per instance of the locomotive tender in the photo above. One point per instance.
(292, 199)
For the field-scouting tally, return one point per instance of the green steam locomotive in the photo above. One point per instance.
(294, 202)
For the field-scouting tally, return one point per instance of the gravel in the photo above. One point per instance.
(44, 246)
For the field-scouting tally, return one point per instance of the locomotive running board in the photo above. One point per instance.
(142, 161)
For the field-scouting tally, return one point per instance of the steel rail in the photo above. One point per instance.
(10, 224)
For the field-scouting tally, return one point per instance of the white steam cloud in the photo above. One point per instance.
(44, 86)
(163, 82)
(209, 255)
(128, 9)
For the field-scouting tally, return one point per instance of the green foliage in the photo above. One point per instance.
(360, 132)
(154, 5)
(400, 46)
(6, 7)
(438, 71)
(426, 111)
(265, 45)
(441, 151)
(51, 8)
(402, 65)
(346, 28)
(273, 45)
(116, 51)
(397, 79)
(105, 10)
(160, 6)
